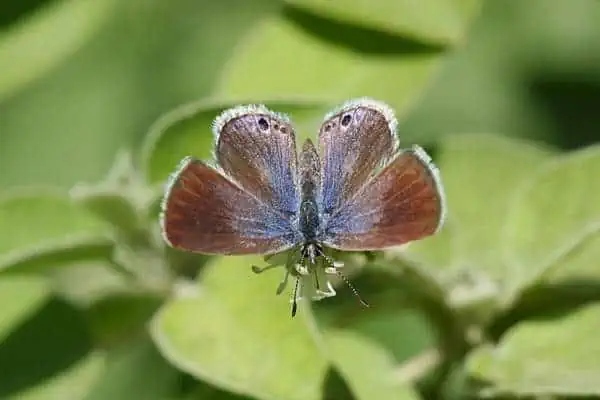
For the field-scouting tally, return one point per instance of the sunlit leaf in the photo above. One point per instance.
(480, 174)
(404, 333)
(20, 298)
(551, 357)
(71, 122)
(43, 226)
(73, 383)
(84, 250)
(237, 334)
(135, 371)
(282, 58)
(442, 21)
(438, 251)
(554, 225)
(112, 207)
(366, 367)
(121, 198)
(33, 46)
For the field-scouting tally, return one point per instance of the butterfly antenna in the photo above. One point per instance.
(295, 301)
(331, 262)
(283, 283)
(345, 279)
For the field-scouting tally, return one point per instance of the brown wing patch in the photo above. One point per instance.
(205, 212)
(404, 202)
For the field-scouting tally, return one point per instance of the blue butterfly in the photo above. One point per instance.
(355, 191)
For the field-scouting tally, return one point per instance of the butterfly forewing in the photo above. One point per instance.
(403, 202)
(205, 212)
(353, 142)
(256, 148)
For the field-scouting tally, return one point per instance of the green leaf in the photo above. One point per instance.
(392, 320)
(404, 333)
(135, 371)
(203, 391)
(85, 282)
(186, 131)
(48, 224)
(113, 88)
(480, 174)
(553, 229)
(110, 206)
(84, 250)
(72, 383)
(436, 252)
(235, 333)
(121, 199)
(366, 367)
(43, 345)
(438, 21)
(20, 298)
(146, 266)
(324, 68)
(62, 27)
(550, 357)
(121, 316)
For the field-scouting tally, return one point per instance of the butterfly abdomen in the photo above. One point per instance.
(309, 219)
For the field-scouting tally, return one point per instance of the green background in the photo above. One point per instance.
(99, 99)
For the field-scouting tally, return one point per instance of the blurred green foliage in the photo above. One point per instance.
(100, 99)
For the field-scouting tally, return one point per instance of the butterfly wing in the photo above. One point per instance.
(257, 149)
(205, 212)
(403, 202)
(353, 142)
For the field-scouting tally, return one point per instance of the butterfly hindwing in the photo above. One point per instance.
(403, 202)
(353, 142)
(205, 212)
(257, 149)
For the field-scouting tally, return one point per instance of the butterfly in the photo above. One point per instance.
(354, 191)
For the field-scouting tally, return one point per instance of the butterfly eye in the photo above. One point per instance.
(263, 124)
(346, 120)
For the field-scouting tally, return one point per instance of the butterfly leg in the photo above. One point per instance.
(259, 270)
(283, 283)
(316, 256)
(333, 265)
(301, 269)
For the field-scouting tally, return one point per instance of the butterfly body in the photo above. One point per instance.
(354, 190)
(310, 185)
